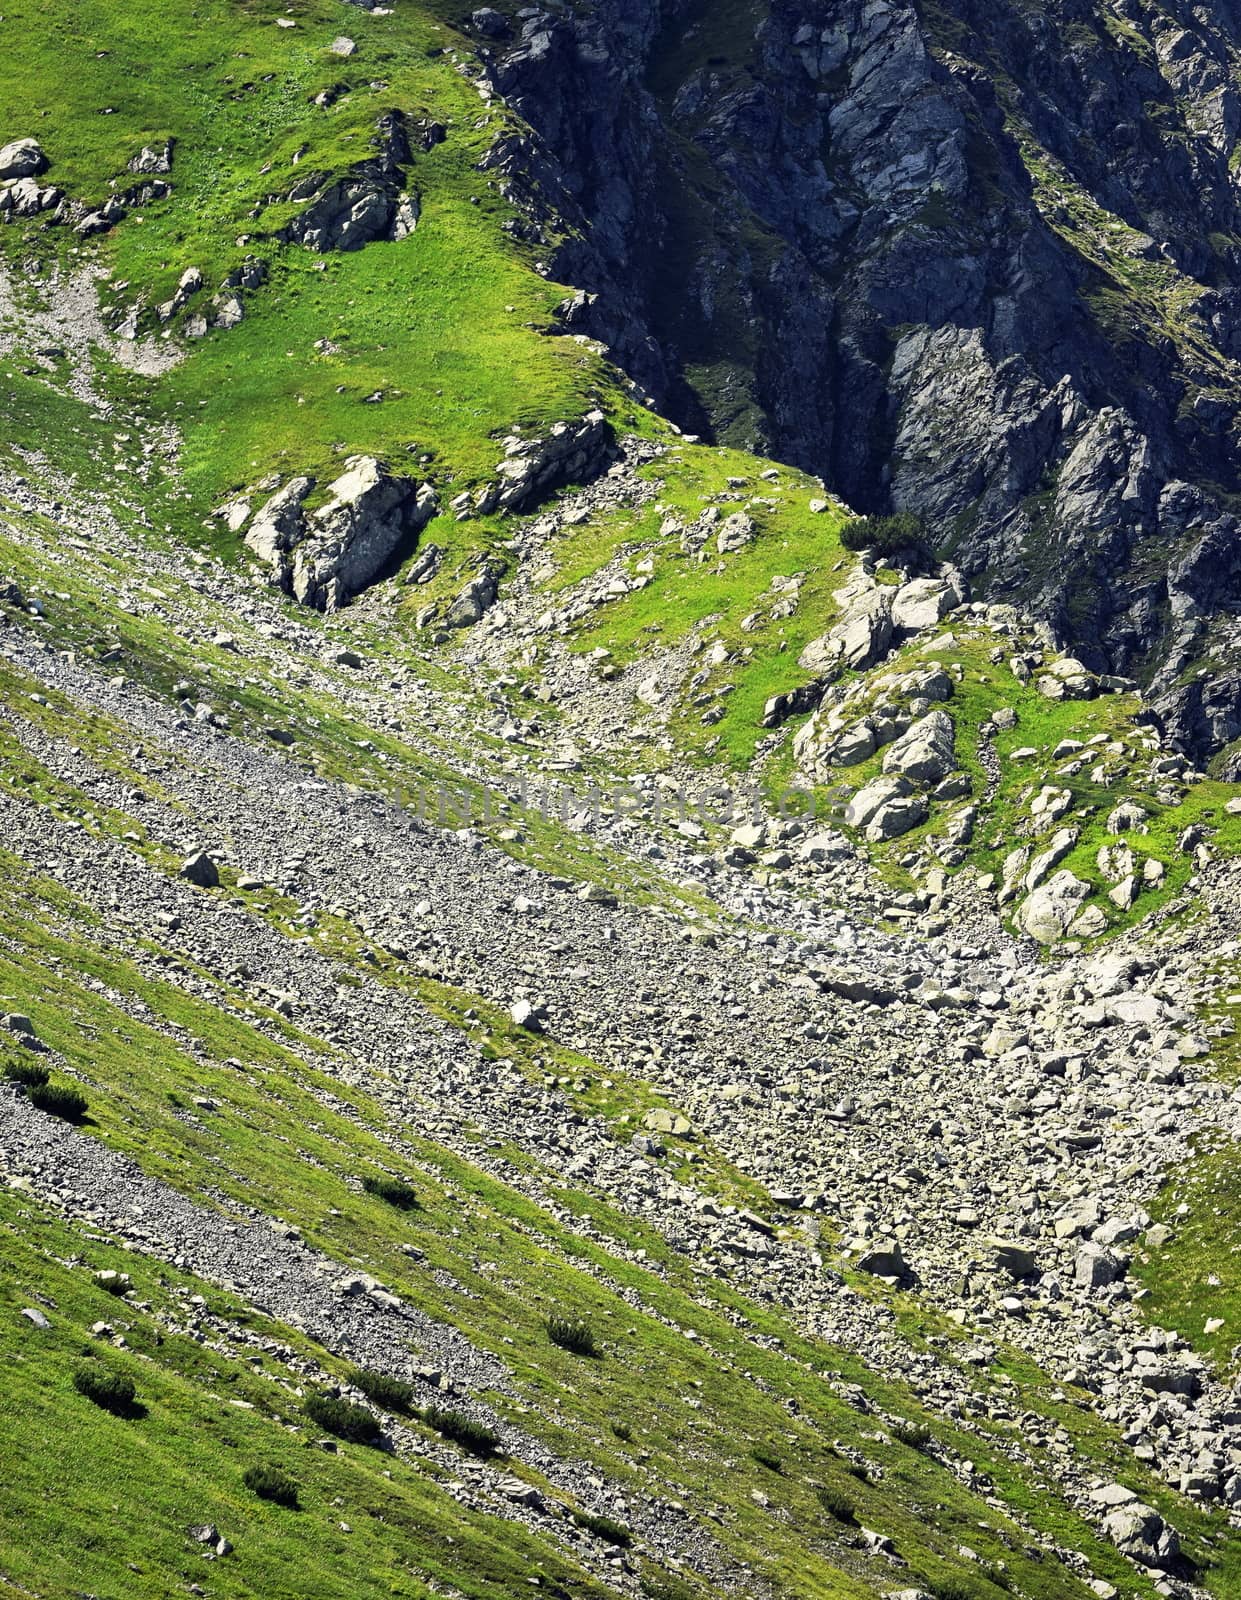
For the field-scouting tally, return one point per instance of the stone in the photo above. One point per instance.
(490, 23)
(35, 1317)
(200, 870)
(922, 603)
(1095, 1266)
(897, 818)
(858, 640)
(1046, 914)
(736, 532)
(868, 802)
(475, 600)
(927, 752)
(661, 1120)
(1139, 1532)
(883, 1261)
(526, 1016)
(23, 158)
(366, 527)
(1015, 1259)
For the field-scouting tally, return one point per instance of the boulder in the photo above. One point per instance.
(1047, 913)
(1139, 1532)
(868, 802)
(476, 599)
(369, 523)
(572, 452)
(1096, 1266)
(927, 753)
(23, 158)
(736, 532)
(1017, 1260)
(854, 745)
(201, 870)
(489, 23)
(895, 819)
(923, 602)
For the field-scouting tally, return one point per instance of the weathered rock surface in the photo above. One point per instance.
(369, 523)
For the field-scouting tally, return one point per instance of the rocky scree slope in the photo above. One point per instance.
(977, 264)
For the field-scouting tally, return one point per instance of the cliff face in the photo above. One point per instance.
(981, 262)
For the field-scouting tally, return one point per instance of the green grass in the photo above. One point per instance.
(1193, 1282)
(96, 1501)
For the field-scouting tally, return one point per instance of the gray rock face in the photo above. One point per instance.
(925, 335)
(927, 753)
(370, 522)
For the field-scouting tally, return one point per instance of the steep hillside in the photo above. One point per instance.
(976, 263)
(572, 1016)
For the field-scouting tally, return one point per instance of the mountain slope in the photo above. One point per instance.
(442, 851)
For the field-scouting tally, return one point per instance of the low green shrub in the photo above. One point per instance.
(58, 1100)
(899, 535)
(269, 1483)
(835, 1503)
(393, 1191)
(29, 1074)
(111, 1391)
(571, 1335)
(461, 1429)
(604, 1528)
(914, 1434)
(767, 1458)
(342, 1418)
(393, 1394)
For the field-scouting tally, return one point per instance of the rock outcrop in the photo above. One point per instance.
(571, 452)
(371, 202)
(370, 521)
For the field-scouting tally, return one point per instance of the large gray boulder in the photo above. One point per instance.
(371, 519)
(1047, 913)
(927, 753)
(1139, 1532)
(858, 640)
(23, 158)
(570, 452)
(923, 602)
(868, 802)
(476, 599)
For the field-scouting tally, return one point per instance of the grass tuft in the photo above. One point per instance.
(27, 1074)
(573, 1336)
(110, 1391)
(605, 1528)
(393, 1394)
(58, 1100)
(393, 1191)
(474, 1437)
